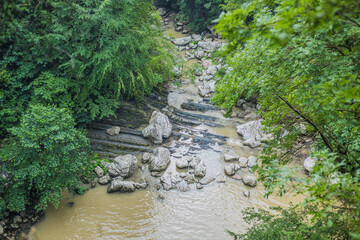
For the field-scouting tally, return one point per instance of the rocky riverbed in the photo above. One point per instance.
(188, 168)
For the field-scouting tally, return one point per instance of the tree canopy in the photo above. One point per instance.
(64, 64)
(86, 54)
(300, 59)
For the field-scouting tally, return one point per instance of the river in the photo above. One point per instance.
(157, 214)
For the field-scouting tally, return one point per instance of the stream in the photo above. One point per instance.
(205, 213)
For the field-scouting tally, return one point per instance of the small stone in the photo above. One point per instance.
(211, 70)
(192, 45)
(252, 143)
(17, 219)
(99, 171)
(104, 180)
(199, 54)
(113, 131)
(183, 162)
(246, 194)
(14, 225)
(93, 184)
(143, 184)
(220, 181)
(237, 177)
(160, 196)
(156, 174)
(243, 162)
(252, 162)
(230, 170)
(182, 186)
(199, 186)
(206, 180)
(236, 167)
(200, 170)
(183, 175)
(145, 157)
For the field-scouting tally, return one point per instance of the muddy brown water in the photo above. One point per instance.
(197, 214)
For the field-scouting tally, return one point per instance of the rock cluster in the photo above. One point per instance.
(244, 164)
(252, 133)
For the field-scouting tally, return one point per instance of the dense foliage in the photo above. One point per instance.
(301, 59)
(45, 156)
(199, 13)
(63, 64)
(85, 54)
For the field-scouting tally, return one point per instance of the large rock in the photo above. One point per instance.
(176, 98)
(196, 37)
(183, 162)
(309, 163)
(118, 185)
(251, 130)
(182, 41)
(199, 54)
(249, 180)
(231, 156)
(123, 166)
(159, 159)
(162, 11)
(206, 87)
(200, 170)
(159, 127)
(209, 46)
(252, 143)
(113, 131)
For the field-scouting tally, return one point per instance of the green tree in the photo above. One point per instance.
(45, 156)
(100, 51)
(302, 61)
(200, 13)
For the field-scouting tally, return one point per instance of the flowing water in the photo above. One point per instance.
(151, 214)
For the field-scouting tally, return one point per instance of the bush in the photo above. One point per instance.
(44, 156)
